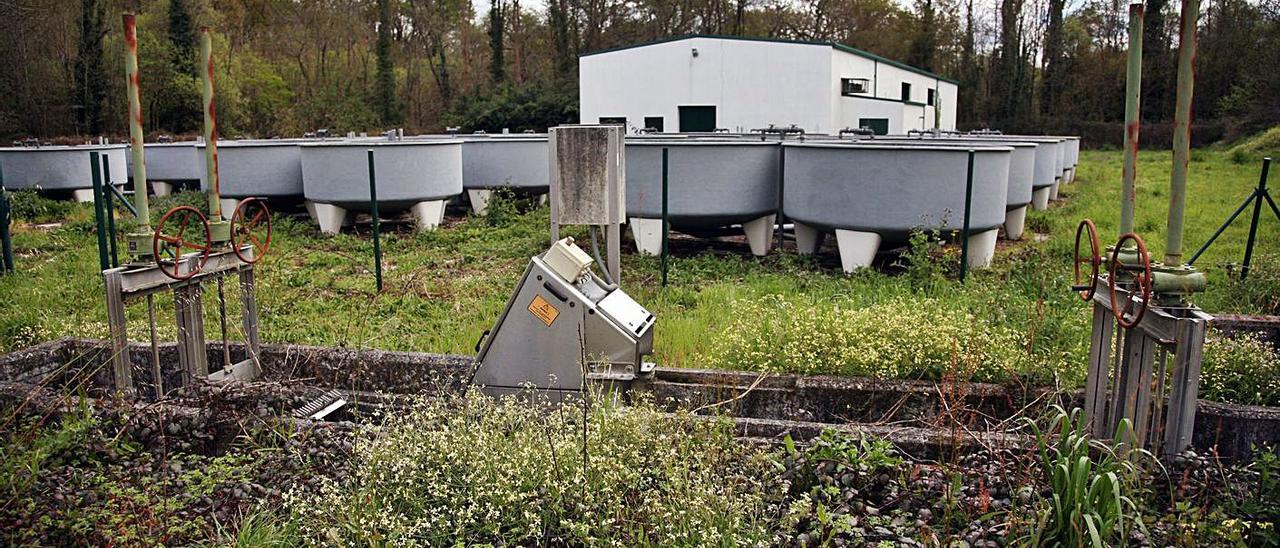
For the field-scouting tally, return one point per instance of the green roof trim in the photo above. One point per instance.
(834, 45)
(886, 99)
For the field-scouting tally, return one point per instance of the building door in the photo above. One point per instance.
(697, 118)
(879, 125)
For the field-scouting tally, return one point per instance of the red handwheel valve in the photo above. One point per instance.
(251, 226)
(1129, 313)
(1086, 287)
(171, 242)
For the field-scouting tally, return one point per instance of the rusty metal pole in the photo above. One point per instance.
(1182, 130)
(1132, 119)
(210, 125)
(134, 87)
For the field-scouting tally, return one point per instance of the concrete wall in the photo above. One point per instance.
(751, 83)
(886, 83)
(851, 110)
(754, 83)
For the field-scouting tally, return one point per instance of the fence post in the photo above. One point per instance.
(95, 172)
(6, 239)
(1260, 194)
(968, 205)
(665, 226)
(373, 207)
(109, 205)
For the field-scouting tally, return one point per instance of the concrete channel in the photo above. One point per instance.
(927, 420)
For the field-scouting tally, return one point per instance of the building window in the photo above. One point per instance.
(854, 86)
(653, 123)
(880, 126)
(613, 120)
(933, 96)
(906, 92)
(697, 118)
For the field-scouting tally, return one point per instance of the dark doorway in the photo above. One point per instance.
(879, 125)
(697, 118)
(653, 122)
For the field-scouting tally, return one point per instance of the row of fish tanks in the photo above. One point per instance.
(796, 459)
(558, 429)
(871, 191)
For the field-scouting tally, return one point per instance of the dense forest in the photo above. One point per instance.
(289, 66)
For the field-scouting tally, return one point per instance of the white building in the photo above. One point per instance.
(704, 83)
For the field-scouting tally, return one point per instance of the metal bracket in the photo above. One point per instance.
(1130, 377)
(133, 282)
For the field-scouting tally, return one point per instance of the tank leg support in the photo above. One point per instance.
(428, 214)
(161, 188)
(1040, 198)
(311, 211)
(1053, 190)
(1015, 221)
(648, 235)
(982, 248)
(479, 200)
(330, 217)
(83, 195)
(857, 249)
(228, 207)
(758, 232)
(808, 239)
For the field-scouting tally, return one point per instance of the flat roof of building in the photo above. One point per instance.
(834, 45)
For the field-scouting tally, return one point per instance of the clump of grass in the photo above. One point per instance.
(480, 471)
(1243, 370)
(901, 337)
(258, 529)
(1259, 293)
(1093, 488)
(193, 198)
(1254, 148)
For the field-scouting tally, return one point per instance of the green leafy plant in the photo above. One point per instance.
(925, 263)
(30, 206)
(1242, 369)
(478, 471)
(901, 337)
(1093, 487)
(506, 207)
(27, 451)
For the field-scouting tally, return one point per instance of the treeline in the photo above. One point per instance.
(289, 66)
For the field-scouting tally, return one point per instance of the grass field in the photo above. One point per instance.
(445, 287)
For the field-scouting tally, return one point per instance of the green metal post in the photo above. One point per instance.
(109, 208)
(1182, 130)
(373, 209)
(665, 227)
(134, 87)
(1231, 219)
(6, 239)
(968, 206)
(123, 200)
(1259, 195)
(1132, 119)
(210, 125)
(96, 174)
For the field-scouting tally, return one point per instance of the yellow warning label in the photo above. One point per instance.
(543, 310)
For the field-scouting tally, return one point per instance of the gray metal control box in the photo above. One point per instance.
(557, 335)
